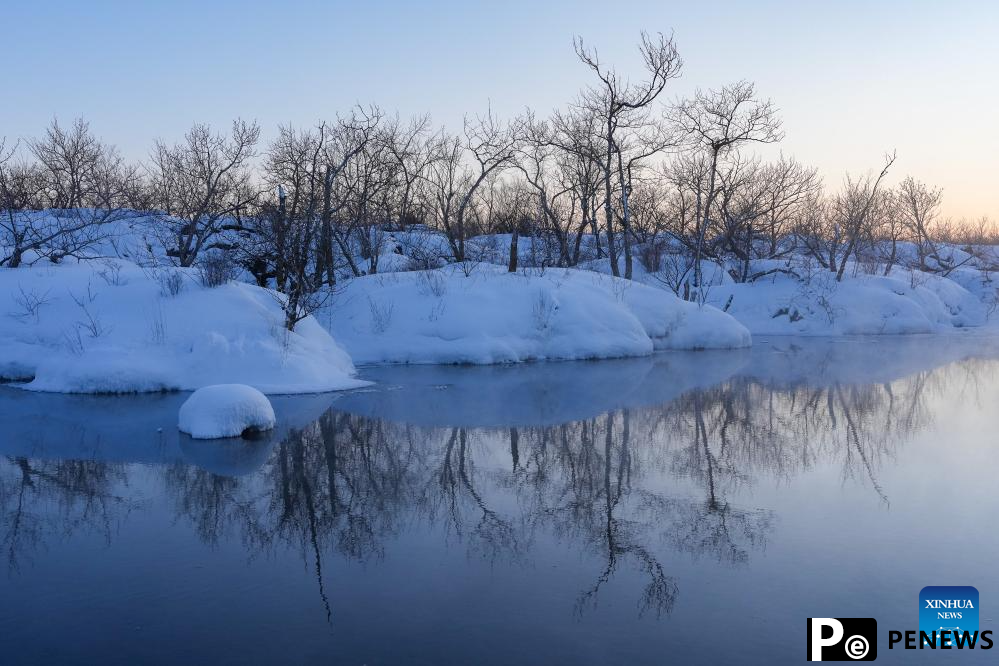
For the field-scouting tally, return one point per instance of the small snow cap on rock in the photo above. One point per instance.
(225, 410)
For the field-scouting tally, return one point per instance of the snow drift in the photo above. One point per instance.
(113, 327)
(225, 410)
(900, 303)
(491, 316)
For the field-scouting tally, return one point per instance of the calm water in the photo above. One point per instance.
(681, 509)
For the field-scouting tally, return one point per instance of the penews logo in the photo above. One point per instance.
(842, 639)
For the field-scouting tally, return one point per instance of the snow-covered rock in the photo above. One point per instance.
(225, 410)
(112, 327)
(491, 316)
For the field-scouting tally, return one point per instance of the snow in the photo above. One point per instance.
(225, 410)
(902, 303)
(120, 321)
(112, 327)
(482, 314)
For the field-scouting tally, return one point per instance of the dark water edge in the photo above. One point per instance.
(688, 508)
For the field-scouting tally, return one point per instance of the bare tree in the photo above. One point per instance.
(719, 122)
(538, 160)
(789, 188)
(853, 210)
(61, 204)
(411, 148)
(918, 207)
(341, 145)
(492, 147)
(445, 180)
(623, 107)
(21, 188)
(512, 213)
(580, 167)
(202, 187)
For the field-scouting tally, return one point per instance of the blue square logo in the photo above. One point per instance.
(952, 609)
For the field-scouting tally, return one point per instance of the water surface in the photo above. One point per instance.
(688, 508)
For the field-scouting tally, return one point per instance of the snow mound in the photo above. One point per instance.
(225, 410)
(901, 303)
(491, 316)
(102, 326)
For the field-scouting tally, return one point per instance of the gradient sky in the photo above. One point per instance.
(852, 79)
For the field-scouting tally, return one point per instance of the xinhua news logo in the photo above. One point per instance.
(842, 639)
(951, 611)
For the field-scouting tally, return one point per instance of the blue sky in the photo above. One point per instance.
(852, 80)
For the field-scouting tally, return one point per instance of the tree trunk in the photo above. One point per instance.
(625, 223)
(609, 205)
(512, 268)
(702, 232)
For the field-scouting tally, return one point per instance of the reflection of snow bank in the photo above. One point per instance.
(492, 316)
(137, 428)
(225, 410)
(786, 361)
(112, 327)
(535, 394)
(228, 457)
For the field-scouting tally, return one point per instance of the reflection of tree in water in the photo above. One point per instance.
(338, 484)
(208, 500)
(578, 480)
(617, 484)
(731, 435)
(347, 483)
(463, 507)
(40, 499)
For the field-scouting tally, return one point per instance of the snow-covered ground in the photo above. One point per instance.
(810, 302)
(110, 327)
(125, 321)
(482, 314)
(902, 303)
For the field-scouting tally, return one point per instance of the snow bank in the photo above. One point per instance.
(112, 327)
(225, 410)
(901, 303)
(492, 316)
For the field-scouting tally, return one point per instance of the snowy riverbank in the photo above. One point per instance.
(113, 327)
(488, 315)
(108, 325)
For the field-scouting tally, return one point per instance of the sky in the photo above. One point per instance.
(853, 80)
